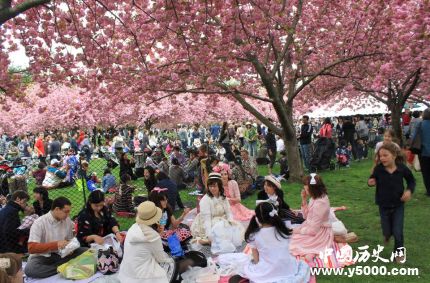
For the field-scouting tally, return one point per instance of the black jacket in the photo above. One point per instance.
(348, 129)
(390, 187)
(9, 233)
(271, 141)
(306, 134)
(262, 195)
(90, 225)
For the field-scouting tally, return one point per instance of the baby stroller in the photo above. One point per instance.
(110, 157)
(16, 175)
(324, 151)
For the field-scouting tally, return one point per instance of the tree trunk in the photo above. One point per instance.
(396, 114)
(291, 145)
(294, 160)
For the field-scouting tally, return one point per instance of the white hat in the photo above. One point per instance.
(148, 213)
(197, 143)
(214, 176)
(248, 123)
(273, 180)
(55, 161)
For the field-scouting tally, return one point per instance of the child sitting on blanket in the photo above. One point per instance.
(169, 224)
(269, 238)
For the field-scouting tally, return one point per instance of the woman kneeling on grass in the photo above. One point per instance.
(390, 196)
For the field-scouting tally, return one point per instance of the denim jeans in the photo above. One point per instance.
(306, 154)
(392, 223)
(252, 148)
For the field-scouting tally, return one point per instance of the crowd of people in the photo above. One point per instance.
(220, 163)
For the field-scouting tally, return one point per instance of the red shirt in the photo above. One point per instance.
(326, 131)
(406, 119)
(40, 147)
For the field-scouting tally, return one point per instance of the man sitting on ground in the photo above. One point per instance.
(49, 234)
(54, 175)
(10, 235)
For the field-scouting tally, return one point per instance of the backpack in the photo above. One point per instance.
(107, 261)
(342, 158)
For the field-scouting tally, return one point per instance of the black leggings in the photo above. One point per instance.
(238, 279)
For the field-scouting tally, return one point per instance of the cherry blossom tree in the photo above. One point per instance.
(63, 108)
(287, 54)
(10, 9)
(401, 72)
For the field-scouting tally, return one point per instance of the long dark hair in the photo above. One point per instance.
(43, 192)
(96, 196)
(152, 181)
(157, 196)
(262, 215)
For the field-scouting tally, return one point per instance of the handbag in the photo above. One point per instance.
(416, 164)
(416, 142)
(107, 261)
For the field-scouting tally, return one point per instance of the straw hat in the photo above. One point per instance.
(214, 176)
(148, 213)
(273, 180)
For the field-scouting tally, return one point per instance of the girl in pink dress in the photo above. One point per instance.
(315, 235)
(231, 189)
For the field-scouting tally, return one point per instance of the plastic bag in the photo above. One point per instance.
(70, 248)
(109, 241)
(208, 274)
(175, 245)
(81, 267)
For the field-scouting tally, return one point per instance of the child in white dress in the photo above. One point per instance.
(271, 260)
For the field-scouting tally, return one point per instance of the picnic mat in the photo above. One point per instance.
(96, 278)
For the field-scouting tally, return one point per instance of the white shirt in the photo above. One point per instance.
(275, 262)
(46, 229)
(280, 146)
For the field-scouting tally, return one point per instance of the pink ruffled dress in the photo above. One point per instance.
(315, 235)
(239, 211)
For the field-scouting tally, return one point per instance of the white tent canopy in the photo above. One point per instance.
(359, 106)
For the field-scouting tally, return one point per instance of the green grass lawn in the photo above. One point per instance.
(346, 187)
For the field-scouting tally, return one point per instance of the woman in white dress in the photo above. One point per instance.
(214, 225)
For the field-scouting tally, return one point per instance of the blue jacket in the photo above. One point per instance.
(425, 138)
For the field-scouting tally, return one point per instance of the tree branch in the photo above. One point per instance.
(325, 69)
(289, 40)
(257, 114)
(372, 92)
(411, 88)
(172, 92)
(8, 12)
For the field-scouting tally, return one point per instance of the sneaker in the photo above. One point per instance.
(400, 259)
